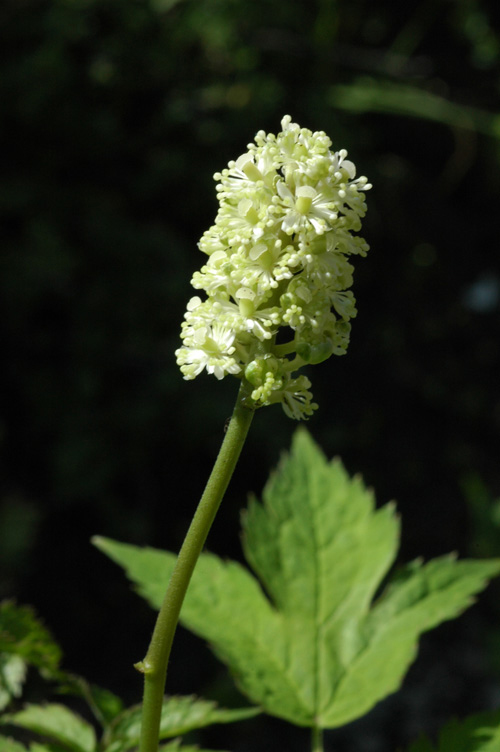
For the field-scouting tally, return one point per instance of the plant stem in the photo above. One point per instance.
(154, 665)
(316, 739)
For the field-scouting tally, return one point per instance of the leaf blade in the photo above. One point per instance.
(218, 590)
(23, 634)
(12, 676)
(316, 650)
(56, 722)
(10, 745)
(436, 592)
(179, 716)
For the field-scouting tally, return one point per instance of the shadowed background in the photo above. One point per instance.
(114, 116)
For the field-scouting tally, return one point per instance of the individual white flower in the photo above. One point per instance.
(245, 221)
(262, 265)
(215, 275)
(328, 269)
(211, 348)
(249, 169)
(305, 209)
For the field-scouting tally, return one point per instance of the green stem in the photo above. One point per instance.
(154, 665)
(316, 739)
(285, 349)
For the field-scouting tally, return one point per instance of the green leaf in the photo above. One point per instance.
(57, 723)
(104, 704)
(9, 745)
(149, 568)
(224, 586)
(478, 733)
(316, 649)
(22, 633)
(179, 715)
(12, 676)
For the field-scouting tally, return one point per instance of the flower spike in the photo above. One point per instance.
(278, 258)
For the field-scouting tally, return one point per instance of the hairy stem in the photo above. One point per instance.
(154, 665)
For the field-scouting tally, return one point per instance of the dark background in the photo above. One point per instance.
(114, 115)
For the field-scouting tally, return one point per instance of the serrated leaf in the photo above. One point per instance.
(12, 676)
(317, 651)
(435, 592)
(148, 568)
(9, 745)
(23, 634)
(478, 733)
(179, 715)
(56, 722)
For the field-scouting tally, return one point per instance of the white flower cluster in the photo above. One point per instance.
(277, 267)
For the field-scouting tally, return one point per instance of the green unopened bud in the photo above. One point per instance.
(257, 370)
(315, 353)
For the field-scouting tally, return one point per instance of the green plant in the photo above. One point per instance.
(327, 635)
(320, 637)
(326, 643)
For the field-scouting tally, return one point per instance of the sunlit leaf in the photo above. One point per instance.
(316, 648)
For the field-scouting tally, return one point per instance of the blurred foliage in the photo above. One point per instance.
(478, 733)
(484, 540)
(114, 115)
